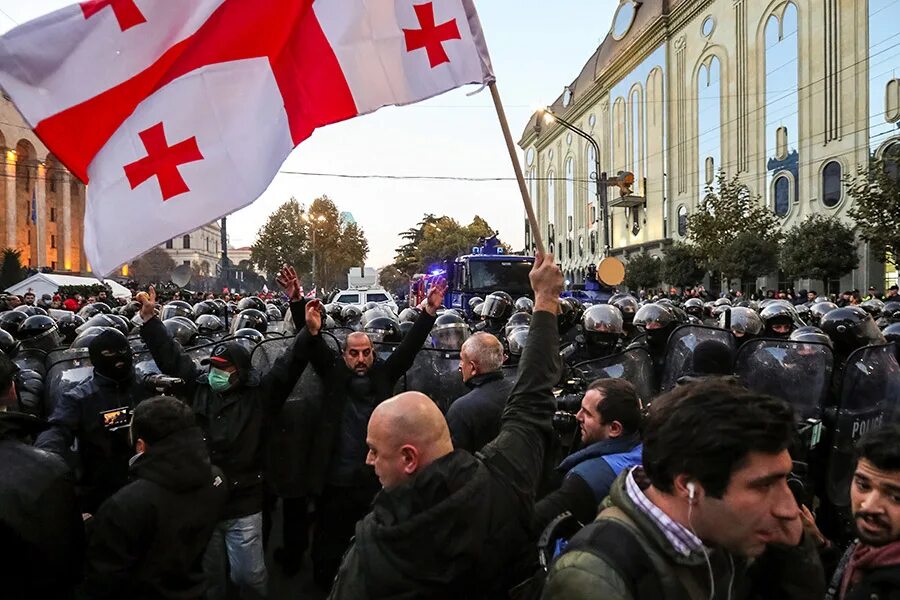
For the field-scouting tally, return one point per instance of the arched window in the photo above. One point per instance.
(782, 195)
(636, 126)
(169, 245)
(891, 158)
(186, 242)
(782, 107)
(682, 221)
(709, 122)
(831, 184)
(592, 176)
(551, 207)
(570, 196)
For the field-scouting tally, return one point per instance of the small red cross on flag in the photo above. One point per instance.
(162, 161)
(245, 81)
(127, 12)
(431, 36)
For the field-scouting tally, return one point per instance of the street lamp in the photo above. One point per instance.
(312, 220)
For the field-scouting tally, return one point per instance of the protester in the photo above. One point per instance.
(148, 539)
(448, 524)
(709, 515)
(355, 383)
(609, 423)
(474, 419)
(232, 402)
(870, 568)
(41, 532)
(28, 298)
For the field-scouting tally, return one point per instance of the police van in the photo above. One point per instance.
(362, 296)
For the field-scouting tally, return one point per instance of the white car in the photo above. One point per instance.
(362, 297)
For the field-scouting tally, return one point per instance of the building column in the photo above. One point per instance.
(11, 199)
(41, 207)
(65, 242)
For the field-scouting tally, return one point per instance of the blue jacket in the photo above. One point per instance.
(599, 464)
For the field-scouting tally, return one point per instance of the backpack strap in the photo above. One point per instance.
(612, 539)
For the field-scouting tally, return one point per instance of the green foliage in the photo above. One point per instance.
(393, 280)
(86, 291)
(439, 239)
(728, 210)
(819, 248)
(11, 271)
(293, 234)
(681, 267)
(747, 257)
(155, 266)
(642, 271)
(875, 191)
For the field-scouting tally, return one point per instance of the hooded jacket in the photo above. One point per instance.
(147, 541)
(474, 419)
(41, 532)
(233, 422)
(103, 453)
(460, 528)
(583, 574)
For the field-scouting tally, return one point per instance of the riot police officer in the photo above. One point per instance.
(779, 320)
(602, 332)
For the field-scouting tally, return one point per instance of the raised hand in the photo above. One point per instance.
(314, 316)
(547, 283)
(435, 298)
(148, 303)
(287, 279)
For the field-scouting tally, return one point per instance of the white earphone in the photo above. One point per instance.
(692, 489)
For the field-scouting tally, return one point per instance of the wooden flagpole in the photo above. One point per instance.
(510, 145)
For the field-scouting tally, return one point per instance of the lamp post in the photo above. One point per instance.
(312, 220)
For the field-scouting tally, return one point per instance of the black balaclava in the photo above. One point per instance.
(111, 355)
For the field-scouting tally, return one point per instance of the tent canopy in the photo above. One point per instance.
(45, 283)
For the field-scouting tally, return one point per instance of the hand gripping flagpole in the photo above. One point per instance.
(510, 145)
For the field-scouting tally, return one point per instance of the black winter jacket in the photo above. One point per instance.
(147, 541)
(104, 454)
(41, 532)
(460, 528)
(474, 419)
(233, 423)
(324, 415)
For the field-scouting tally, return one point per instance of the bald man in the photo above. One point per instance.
(356, 381)
(448, 524)
(474, 419)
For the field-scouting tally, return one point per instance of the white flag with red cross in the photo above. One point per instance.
(178, 112)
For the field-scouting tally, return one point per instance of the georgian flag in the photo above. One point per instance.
(178, 112)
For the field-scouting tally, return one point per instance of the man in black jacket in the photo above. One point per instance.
(232, 403)
(449, 524)
(355, 383)
(85, 412)
(41, 533)
(871, 566)
(474, 419)
(147, 541)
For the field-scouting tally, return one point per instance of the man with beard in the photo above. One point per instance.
(96, 412)
(870, 569)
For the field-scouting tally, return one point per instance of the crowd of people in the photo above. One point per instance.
(558, 450)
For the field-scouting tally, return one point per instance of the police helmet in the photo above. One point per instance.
(694, 307)
(251, 302)
(802, 311)
(86, 336)
(723, 302)
(817, 310)
(98, 320)
(121, 323)
(31, 311)
(351, 315)
(891, 334)
(744, 322)
(850, 328)
(250, 318)
(248, 337)
(221, 307)
(405, 328)
(525, 304)
(603, 318)
(376, 312)
(809, 334)
(516, 341)
(891, 312)
(273, 313)
(474, 300)
(519, 319)
(10, 321)
(182, 330)
(8, 344)
(68, 325)
(95, 308)
(176, 308)
(627, 305)
(497, 305)
(778, 316)
(874, 307)
(478, 311)
(209, 324)
(409, 315)
(654, 317)
(369, 306)
(383, 329)
(449, 332)
(207, 307)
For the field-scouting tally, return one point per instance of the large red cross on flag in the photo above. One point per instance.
(178, 113)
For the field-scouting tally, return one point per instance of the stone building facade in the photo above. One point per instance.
(41, 203)
(789, 95)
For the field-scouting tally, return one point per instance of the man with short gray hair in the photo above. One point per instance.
(474, 419)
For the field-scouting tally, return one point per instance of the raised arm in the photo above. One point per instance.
(168, 354)
(518, 452)
(403, 357)
(320, 356)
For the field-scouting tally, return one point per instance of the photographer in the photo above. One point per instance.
(608, 421)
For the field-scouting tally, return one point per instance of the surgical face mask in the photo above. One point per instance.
(219, 380)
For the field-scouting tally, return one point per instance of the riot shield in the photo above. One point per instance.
(65, 370)
(339, 334)
(634, 365)
(798, 373)
(681, 347)
(869, 398)
(435, 373)
(32, 359)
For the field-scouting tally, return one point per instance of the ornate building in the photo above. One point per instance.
(201, 248)
(42, 203)
(789, 95)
